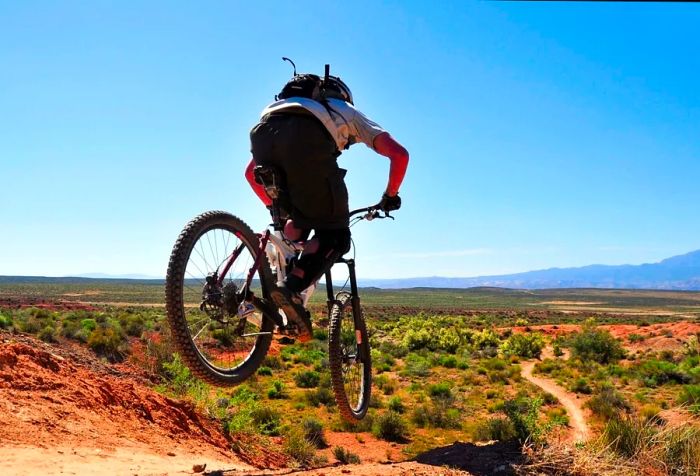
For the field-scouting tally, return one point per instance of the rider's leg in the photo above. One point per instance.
(320, 253)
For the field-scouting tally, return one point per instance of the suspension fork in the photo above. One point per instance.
(355, 295)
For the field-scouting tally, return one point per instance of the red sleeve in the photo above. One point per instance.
(385, 145)
(257, 188)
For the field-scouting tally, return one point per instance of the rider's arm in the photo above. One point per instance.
(385, 145)
(257, 188)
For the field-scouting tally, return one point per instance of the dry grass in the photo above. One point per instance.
(626, 447)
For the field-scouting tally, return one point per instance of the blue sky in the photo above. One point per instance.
(541, 134)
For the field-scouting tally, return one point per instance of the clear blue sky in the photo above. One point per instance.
(541, 134)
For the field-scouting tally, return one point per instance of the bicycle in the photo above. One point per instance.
(222, 320)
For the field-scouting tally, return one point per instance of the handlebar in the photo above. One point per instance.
(370, 213)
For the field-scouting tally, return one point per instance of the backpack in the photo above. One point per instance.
(303, 86)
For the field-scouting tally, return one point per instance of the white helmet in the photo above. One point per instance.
(334, 87)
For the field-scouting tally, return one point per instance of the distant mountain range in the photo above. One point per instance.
(678, 273)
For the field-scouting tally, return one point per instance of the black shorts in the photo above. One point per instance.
(304, 150)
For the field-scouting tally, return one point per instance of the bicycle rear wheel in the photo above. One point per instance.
(221, 338)
(349, 356)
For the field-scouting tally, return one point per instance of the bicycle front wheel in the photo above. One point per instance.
(219, 336)
(349, 356)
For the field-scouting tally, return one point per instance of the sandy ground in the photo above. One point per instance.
(571, 403)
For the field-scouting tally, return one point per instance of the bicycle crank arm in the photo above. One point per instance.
(268, 312)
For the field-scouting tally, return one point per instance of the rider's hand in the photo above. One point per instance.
(390, 203)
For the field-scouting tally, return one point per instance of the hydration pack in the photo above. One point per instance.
(302, 86)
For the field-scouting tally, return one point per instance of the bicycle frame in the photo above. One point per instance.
(280, 250)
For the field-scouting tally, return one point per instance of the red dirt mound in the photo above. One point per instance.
(56, 398)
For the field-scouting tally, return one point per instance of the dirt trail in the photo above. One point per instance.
(577, 418)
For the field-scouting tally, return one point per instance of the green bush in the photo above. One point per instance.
(320, 396)
(447, 361)
(523, 414)
(345, 456)
(659, 372)
(267, 420)
(390, 426)
(313, 432)
(607, 403)
(321, 334)
(47, 334)
(276, 391)
(179, 379)
(109, 342)
(440, 391)
(307, 379)
(500, 429)
(415, 366)
(396, 405)
(5, 321)
(581, 385)
(527, 345)
(592, 344)
(299, 448)
(690, 395)
(265, 371)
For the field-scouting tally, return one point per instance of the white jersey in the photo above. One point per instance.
(346, 124)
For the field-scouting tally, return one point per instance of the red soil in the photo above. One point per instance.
(62, 401)
(23, 302)
(663, 336)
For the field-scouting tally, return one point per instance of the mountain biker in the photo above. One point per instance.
(303, 137)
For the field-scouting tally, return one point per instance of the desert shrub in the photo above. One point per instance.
(313, 432)
(179, 379)
(299, 448)
(5, 321)
(486, 340)
(595, 345)
(415, 366)
(415, 339)
(47, 334)
(134, 324)
(437, 415)
(527, 345)
(690, 395)
(523, 414)
(627, 436)
(345, 456)
(108, 341)
(267, 420)
(607, 402)
(396, 405)
(273, 361)
(276, 391)
(659, 372)
(440, 391)
(556, 350)
(448, 339)
(500, 429)
(321, 334)
(265, 371)
(447, 361)
(320, 396)
(390, 426)
(307, 379)
(159, 351)
(650, 412)
(581, 385)
(632, 338)
(692, 347)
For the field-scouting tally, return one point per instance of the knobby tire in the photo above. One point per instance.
(174, 301)
(338, 318)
